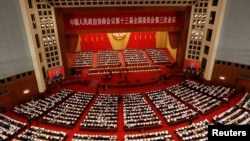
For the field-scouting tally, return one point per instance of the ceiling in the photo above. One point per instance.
(115, 3)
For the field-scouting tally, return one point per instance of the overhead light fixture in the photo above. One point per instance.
(222, 78)
(26, 91)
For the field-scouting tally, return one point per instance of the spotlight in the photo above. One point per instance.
(222, 78)
(26, 91)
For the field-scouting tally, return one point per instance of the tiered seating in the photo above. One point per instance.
(221, 92)
(218, 92)
(157, 56)
(108, 58)
(9, 127)
(201, 102)
(234, 115)
(154, 136)
(67, 113)
(196, 131)
(103, 114)
(134, 56)
(245, 102)
(38, 134)
(137, 113)
(83, 59)
(83, 137)
(173, 110)
(35, 108)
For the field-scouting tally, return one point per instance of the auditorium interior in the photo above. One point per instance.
(122, 70)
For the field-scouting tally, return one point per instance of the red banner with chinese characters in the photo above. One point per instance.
(121, 20)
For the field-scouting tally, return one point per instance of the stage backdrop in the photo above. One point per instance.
(95, 42)
(101, 41)
(141, 40)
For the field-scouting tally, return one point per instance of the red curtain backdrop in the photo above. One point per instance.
(100, 41)
(173, 39)
(95, 42)
(141, 40)
(72, 41)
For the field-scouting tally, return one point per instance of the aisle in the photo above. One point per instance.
(121, 58)
(147, 57)
(95, 59)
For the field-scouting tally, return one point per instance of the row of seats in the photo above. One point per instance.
(134, 56)
(202, 102)
(195, 131)
(154, 136)
(67, 113)
(173, 110)
(157, 56)
(234, 115)
(135, 105)
(218, 92)
(83, 59)
(237, 115)
(38, 134)
(35, 108)
(137, 113)
(9, 127)
(103, 114)
(84, 137)
(245, 102)
(108, 58)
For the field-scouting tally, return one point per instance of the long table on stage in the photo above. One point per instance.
(124, 84)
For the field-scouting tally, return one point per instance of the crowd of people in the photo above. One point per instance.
(177, 103)
(195, 131)
(194, 96)
(137, 113)
(108, 58)
(35, 108)
(103, 114)
(68, 113)
(236, 115)
(172, 109)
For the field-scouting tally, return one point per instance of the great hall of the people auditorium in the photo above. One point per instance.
(125, 70)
